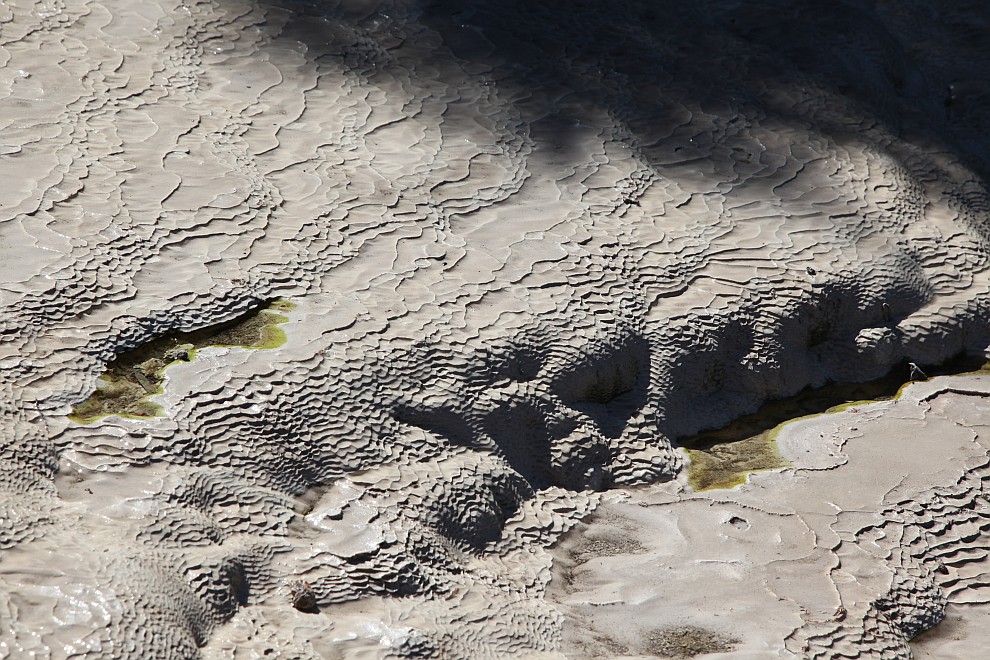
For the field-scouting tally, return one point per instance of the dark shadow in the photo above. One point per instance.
(817, 400)
(917, 68)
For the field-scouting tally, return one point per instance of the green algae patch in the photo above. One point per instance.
(116, 394)
(725, 458)
(133, 377)
(727, 465)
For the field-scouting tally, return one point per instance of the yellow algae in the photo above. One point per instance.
(726, 457)
(135, 376)
(729, 464)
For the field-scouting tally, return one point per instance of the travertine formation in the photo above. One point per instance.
(531, 243)
(876, 532)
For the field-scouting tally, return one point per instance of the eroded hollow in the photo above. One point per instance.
(724, 458)
(135, 375)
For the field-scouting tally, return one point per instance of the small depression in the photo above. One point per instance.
(726, 457)
(133, 377)
(687, 642)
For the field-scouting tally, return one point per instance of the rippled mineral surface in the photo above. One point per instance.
(520, 248)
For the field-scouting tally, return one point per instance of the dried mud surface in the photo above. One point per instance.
(530, 244)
